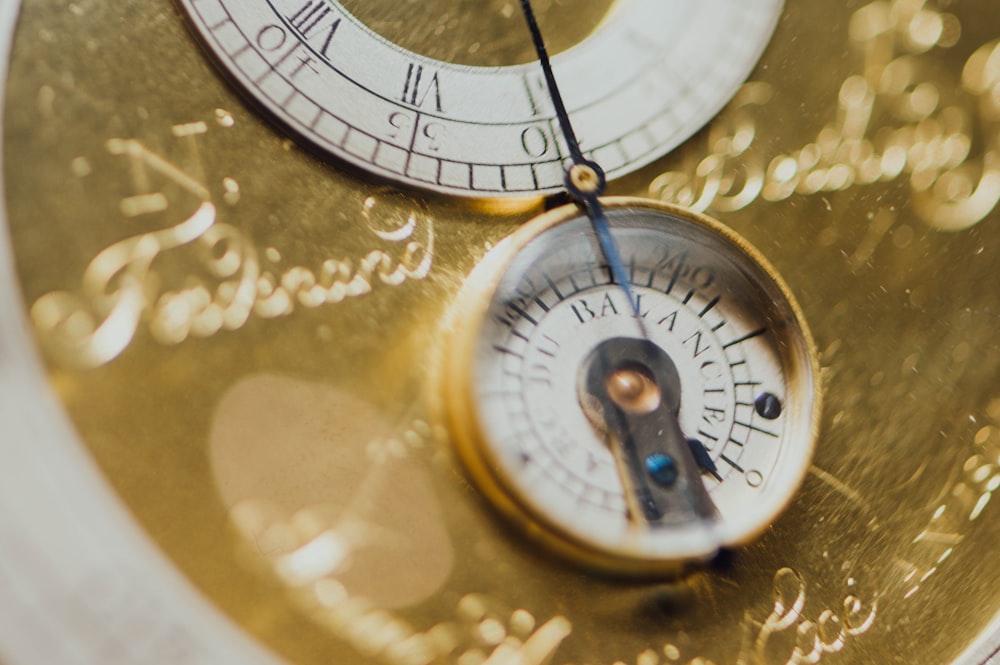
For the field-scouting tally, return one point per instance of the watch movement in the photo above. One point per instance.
(495, 332)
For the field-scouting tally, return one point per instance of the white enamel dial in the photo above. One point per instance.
(712, 310)
(647, 79)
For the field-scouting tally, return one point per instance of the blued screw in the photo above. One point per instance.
(662, 469)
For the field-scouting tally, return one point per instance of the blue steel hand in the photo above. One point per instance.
(585, 180)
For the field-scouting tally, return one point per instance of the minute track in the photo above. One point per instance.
(460, 130)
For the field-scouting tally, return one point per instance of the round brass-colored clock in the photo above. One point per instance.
(308, 355)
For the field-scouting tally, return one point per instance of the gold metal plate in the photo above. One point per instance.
(247, 339)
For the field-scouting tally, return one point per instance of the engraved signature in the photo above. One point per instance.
(954, 182)
(314, 550)
(230, 283)
(961, 502)
(788, 636)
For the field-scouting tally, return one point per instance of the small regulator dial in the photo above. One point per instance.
(635, 437)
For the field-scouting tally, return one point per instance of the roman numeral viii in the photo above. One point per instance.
(316, 20)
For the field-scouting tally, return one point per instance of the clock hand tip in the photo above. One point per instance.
(585, 179)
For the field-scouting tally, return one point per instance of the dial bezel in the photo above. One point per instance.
(797, 356)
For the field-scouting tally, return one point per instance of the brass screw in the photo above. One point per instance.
(584, 179)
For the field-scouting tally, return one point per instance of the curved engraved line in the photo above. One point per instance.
(138, 253)
(59, 315)
(402, 233)
(964, 214)
(110, 338)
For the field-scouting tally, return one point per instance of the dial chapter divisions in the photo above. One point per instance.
(725, 440)
(646, 80)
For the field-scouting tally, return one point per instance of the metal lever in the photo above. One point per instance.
(634, 391)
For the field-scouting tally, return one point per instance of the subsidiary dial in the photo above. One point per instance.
(652, 74)
(633, 442)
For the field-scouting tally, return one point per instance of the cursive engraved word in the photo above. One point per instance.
(229, 282)
(513, 638)
(787, 636)
(961, 501)
(482, 629)
(889, 124)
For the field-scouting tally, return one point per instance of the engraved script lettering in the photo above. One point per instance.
(890, 124)
(482, 628)
(122, 290)
(962, 501)
(788, 636)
